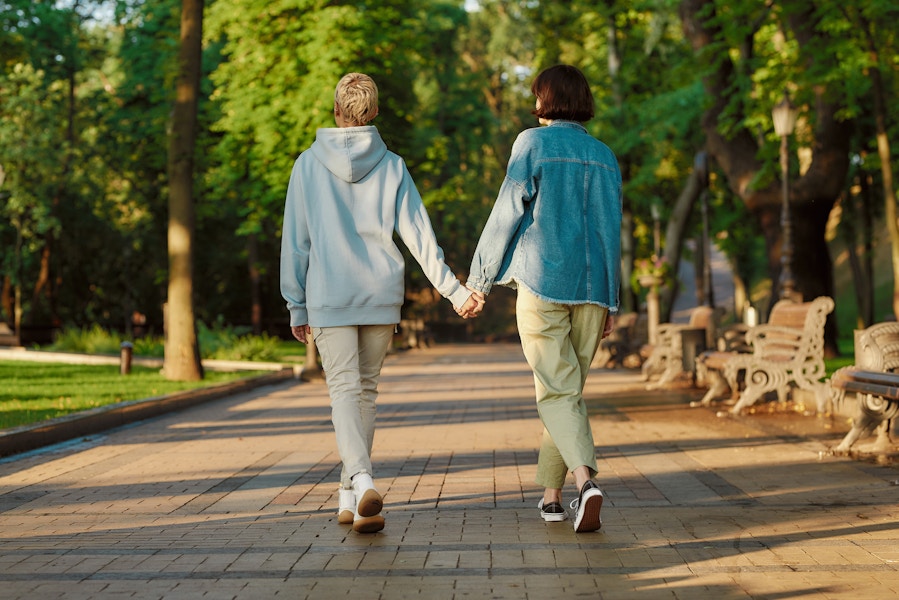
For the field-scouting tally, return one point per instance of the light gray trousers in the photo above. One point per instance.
(352, 358)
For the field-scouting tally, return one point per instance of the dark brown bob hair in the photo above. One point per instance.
(564, 93)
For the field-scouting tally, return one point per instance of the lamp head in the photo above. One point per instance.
(784, 116)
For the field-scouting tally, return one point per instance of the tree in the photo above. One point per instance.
(274, 88)
(182, 354)
(27, 140)
(85, 103)
(647, 104)
(42, 57)
(873, 44)
(776, 46)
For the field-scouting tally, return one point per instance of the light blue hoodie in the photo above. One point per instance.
(347, 196)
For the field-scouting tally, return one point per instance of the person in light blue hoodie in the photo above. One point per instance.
(554, 234)
(342, 274)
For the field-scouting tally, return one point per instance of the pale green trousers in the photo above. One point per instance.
(352, 358)
(559, 343)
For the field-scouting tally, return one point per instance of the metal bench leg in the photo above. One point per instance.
(883, 442)
(822, 398)
(717, 387)
(650, 367)
(757, 384)
(872, 412)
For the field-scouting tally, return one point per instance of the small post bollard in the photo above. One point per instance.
(125, 363)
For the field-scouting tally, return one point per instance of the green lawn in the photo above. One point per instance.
(33, 392)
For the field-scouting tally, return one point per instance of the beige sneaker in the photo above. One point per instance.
(368, 524)
(368, 505)
(368, 501)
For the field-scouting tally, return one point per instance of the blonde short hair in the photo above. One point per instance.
(357, 96)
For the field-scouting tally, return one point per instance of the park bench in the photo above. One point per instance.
(667, 356)
(874, 381)
(623, 342)
(786, 352)
(7, 336)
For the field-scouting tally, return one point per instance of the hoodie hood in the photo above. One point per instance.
(350, 153)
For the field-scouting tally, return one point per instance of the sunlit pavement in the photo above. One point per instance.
(236, 498)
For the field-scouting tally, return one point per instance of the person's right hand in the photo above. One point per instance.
(609, 327)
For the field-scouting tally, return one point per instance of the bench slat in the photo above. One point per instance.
(877, 383)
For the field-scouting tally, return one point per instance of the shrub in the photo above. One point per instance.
(223, 342)
(93, 340)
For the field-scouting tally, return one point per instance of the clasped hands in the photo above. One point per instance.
(473, 306)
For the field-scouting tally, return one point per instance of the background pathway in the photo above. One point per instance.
(237, 499)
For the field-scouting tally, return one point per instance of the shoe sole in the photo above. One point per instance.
(590, 520)
(345, 517)
(370, 504)
(553, 518)
(368, 524)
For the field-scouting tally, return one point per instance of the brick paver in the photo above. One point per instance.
(237, 499)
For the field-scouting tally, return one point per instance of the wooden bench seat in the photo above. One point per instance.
(623, 342)
(787, 351)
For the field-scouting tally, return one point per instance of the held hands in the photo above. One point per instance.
(473, 306)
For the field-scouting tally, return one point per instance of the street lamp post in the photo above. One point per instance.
(784, 117)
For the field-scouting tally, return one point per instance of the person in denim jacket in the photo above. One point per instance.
(554, 235)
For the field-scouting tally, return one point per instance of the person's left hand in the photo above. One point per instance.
(302, 333)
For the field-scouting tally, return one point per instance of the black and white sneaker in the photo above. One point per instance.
(587, 507)
(552, 512)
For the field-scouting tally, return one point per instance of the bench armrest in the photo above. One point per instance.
(774, 334)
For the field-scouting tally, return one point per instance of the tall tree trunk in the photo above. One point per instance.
(628, 301)
(856, 230)
(674, 236)
(883, 151)
(182, 352)
(6, 301)
(6, 288)
(867, 220)
(849, 233)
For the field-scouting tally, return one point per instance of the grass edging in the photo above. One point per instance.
(95, 420)
(76, 358)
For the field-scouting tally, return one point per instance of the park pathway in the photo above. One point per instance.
(236, 498)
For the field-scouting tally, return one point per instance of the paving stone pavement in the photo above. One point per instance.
(237, 498)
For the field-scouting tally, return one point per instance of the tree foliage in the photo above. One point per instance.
(87, 90)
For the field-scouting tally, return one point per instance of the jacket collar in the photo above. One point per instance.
(567, 124)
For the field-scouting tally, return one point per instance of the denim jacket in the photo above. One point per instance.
(556, 225)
